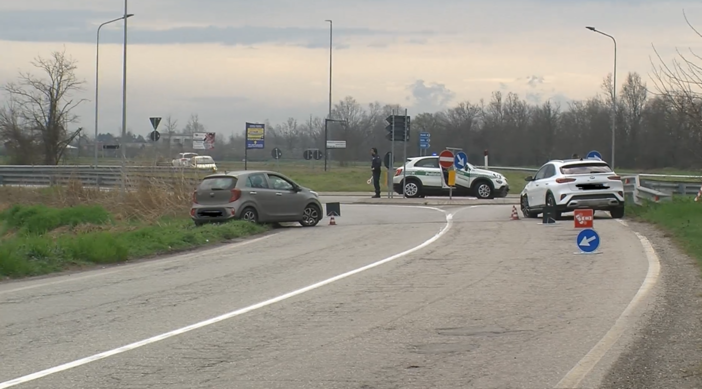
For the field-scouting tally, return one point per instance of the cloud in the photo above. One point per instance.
(432, 97)
(534, 81)
(81, 27)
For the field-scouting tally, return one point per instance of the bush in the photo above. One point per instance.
(682, 218)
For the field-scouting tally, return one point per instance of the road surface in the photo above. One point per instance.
(486, 303)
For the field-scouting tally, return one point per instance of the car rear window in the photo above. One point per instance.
(214, 183)
(586, 168)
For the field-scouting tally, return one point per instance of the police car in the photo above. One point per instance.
(426, 178)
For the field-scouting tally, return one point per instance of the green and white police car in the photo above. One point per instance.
(424, 178)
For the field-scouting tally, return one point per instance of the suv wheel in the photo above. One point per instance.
(617, 213)
(311, 215)
(524, 202)
(412, 188)
(484, 190)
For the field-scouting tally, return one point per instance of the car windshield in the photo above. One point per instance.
(218, 183)
(204, 160)
(586, 168)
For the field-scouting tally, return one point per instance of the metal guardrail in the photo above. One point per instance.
(106, 177)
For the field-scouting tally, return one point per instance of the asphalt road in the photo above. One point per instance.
(491, 303)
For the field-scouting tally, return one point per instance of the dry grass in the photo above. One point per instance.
(146, 201)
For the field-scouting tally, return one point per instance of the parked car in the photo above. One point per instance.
(424, 179)
(183, 159)
(256, 196)
(203, 162)
(573, 184)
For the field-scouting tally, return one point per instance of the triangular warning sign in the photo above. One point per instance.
(155, 121)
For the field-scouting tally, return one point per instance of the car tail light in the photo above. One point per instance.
(236, 193)
(564, 180)
(195, 197)
(615, 178)
(192, 212)
(621, 193)
(398, 172)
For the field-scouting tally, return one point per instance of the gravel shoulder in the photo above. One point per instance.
(667, 350)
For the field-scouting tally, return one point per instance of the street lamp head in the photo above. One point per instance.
(590, 28)
(328, 21)
(129, 16)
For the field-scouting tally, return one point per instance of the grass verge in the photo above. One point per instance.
(45, 231)
(680, 218)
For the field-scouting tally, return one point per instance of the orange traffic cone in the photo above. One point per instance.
(332, 222)
(515, 215)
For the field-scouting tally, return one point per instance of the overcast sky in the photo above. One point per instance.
(233, 61)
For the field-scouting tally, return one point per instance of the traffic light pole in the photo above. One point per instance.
(404, 155)
(391, 193)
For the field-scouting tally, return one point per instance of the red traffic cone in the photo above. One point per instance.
(332, 222)
(515, 215)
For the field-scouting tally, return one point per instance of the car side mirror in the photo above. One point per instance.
(529, 178)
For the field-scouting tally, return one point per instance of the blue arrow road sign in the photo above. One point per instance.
(460, 160)
(588, 241)
(423, 145)
(594, 154)
(424, 135)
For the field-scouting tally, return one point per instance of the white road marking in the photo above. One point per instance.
(158, 262)
(588, 362)
(238, 312)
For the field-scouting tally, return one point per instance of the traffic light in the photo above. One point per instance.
(401, 128)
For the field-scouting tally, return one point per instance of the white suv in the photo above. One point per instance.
(424, 179)
(573, 184)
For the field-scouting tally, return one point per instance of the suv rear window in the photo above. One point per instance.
(215, 183)
(586, 168)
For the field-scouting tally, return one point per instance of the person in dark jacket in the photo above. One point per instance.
(375, 168)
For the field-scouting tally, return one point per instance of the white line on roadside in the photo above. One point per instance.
(588, 362)
(238, 312)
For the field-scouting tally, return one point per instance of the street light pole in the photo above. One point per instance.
(124, 101)
(329, 115)
(97, 77)
(614, 90)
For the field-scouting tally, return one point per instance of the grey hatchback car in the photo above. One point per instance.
(254, 195)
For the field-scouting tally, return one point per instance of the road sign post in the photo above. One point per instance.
(583, 218)
(588, 241)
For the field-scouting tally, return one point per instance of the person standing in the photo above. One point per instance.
(375, 168)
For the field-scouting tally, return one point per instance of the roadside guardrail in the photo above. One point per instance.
(636, 186)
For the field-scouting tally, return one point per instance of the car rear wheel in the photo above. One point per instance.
(311, 215)
(249, 215)
(412, 188)
(617, 213)
(551, 202)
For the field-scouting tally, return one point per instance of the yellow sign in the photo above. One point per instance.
(254, 133)
(452, 178)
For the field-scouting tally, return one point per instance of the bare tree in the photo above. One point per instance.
(193, 125)
(40, 109)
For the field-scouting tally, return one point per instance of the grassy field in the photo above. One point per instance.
(55, 229)
(680, 218)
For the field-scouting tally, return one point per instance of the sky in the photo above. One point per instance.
(232, 61)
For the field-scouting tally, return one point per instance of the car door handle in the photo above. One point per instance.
(253, 193)
(278, 194)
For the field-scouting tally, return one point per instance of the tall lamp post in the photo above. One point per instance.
(614, 89)
(97, 76)
(329, 114)
(124, 102)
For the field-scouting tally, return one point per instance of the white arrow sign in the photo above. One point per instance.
(586, 241)
(463, 161)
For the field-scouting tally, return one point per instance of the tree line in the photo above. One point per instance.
(655, 128)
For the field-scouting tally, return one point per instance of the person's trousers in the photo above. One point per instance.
(376, 182)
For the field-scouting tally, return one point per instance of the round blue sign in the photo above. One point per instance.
(594, 154)
(588, 241)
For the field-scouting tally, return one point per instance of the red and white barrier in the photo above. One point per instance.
(699, 194)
